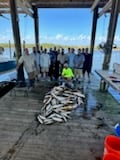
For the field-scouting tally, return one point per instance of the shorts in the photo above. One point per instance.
(45, 69)
(31, 75)
(78, 72)
(88, 70)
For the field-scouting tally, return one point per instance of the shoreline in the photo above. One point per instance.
(49, 45)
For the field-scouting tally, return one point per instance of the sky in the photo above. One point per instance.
(59, 26)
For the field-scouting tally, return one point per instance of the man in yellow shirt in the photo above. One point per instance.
(67, 75)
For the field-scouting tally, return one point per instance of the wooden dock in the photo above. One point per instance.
(110, 78)
(21, 138)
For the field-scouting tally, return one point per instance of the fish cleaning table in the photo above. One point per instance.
(109, 78)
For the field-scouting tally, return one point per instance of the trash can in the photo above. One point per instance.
(112, 145)
(111, 156)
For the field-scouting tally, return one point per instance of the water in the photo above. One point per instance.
(98, 59)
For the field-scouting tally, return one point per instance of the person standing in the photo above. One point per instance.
(36, 56)
(56, 65)
(87, 64)
(62, 58)
(78, 65)
(71, 56)
(30, 66)
(45, 63)
(53, 59)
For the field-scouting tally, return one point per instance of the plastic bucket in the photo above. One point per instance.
(112, 145)
(111, 156)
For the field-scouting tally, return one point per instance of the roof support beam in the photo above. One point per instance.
(24, 8)
(15, 27)
(36, 26)
(111, 33)
(105, 8)
(16, 35)
(93, 33)
(95, 4)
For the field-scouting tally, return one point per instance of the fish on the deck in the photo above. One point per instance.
(58, 104)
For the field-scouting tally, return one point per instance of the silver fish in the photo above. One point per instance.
(79, 94)
(57, 97)
(53, 101)
(48, 121)
(57, 106)
(48, 107)
(42, 117)
(39, 119)
(79, 101)
(49, 100)
(57, 119)
(59, 88)
(55, 115)
(64, 118)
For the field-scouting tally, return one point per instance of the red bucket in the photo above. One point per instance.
(111, 156)
(112, 145)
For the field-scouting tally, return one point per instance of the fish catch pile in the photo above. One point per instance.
(58, 104)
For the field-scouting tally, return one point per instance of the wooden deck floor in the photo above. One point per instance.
(21, 138)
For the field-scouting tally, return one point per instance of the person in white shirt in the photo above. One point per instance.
(29, 64)
(36, 56)
(45, 63)
(62, 58)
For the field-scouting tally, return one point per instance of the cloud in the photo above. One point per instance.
(80, 39)
(59, 37)
(9, 31)
(65, 39)
(117, 38)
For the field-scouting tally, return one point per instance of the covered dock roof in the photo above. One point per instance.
(4, 4)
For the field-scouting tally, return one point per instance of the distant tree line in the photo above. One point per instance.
(51, 45)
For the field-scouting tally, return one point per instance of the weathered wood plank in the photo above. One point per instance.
(107, 77)
(21, 138)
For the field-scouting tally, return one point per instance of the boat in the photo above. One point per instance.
(7, 68)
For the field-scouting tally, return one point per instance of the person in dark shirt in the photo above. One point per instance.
(87, 64)
(54, 67)
(56, 64)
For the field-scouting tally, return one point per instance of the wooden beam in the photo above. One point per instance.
(16, 35)
(24, 8)
(36, 27)
(105, 8)
(95, 4)
(7, 11)
(111, 33)
(27, 4)
(65, 4)
(15, 27)
(93, 33)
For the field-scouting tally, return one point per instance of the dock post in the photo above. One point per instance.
(111, 33)
(16, 35)
(93, 33)
(36, 26)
